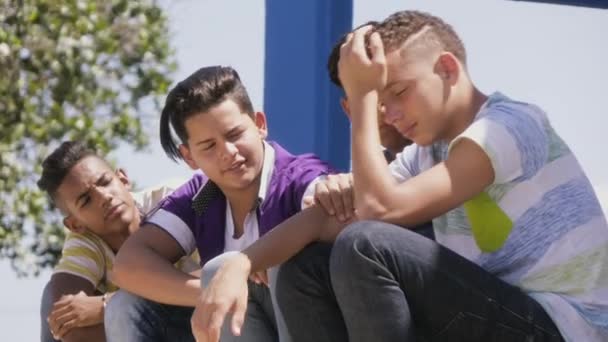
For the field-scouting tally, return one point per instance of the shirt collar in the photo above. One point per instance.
(267, 169)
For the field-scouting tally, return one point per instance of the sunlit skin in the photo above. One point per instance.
(96, 198)
(390, 137)
(425, 94)
(227, 145)
(428, 97)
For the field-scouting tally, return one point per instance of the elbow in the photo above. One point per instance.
(371, 209)
(385, 210)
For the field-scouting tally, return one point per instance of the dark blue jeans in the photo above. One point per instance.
(381, 282)
(131, 318)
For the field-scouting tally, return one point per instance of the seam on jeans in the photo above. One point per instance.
(488, 330)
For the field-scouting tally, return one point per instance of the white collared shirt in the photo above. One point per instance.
(251, 231)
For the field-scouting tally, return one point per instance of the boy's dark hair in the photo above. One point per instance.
(401, 26)
(57, 164)
(198, 93)
(334, 56)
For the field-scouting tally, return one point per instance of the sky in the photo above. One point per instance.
(550, 55)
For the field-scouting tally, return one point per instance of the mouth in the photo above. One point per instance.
(409, 130)
(235, 166)
(113, 212)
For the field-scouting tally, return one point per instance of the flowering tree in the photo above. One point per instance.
(77, 69)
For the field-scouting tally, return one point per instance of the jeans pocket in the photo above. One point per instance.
(468, 327)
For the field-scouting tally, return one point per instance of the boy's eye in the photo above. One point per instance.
(401, 91)
(85, 201)
(234, 135)
(208, 147)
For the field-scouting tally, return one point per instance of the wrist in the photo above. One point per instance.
(241, 264)
(102, 309)
(364, 106)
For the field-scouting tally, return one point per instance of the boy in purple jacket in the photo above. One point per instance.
(248, 186)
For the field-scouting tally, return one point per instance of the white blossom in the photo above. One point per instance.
(5, 50)
(86, 41)
(87, 54)
(24, 53)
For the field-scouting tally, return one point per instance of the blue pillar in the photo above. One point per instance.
(301, 103)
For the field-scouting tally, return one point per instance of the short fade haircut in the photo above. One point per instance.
(401, 26)
(334, 56)
(59, 163)
(201, 91)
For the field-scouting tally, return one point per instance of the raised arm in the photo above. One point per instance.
(144, 266)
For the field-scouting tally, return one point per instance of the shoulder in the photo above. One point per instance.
(519, 119)
(291, 165)
(84, 241)
(84, 255)
(150, 197)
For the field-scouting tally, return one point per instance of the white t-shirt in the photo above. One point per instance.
(539, 226)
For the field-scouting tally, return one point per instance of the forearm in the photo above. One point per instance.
(373, 181)
(289, 237)
(141, 270)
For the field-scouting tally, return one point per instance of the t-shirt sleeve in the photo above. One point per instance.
(83, 258)
(176, 216)
(513, 138)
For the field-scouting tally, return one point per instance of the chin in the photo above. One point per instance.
(423, 141)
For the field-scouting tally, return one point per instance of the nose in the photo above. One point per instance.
(229, 151)
(104, 194)
(391, 115)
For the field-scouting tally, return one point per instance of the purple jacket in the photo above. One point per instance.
(201, 206)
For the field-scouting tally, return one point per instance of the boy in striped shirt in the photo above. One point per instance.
(100, 212)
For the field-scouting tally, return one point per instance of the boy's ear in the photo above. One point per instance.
(448, 67)
(345, 107)
(260, 122)
(184, 150)
(124, 179)
(73, 225)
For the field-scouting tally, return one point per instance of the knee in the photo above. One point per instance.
(363, 241)
(353, 237)
(302, 269)
(365, 237)
(120, 309)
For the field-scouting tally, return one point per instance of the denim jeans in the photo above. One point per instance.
(390, 284)
(131, 318)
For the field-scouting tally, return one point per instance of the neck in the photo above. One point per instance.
(465, 110)
(243, 200)
(116, 241)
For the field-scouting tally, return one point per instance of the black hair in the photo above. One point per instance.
(201, 91)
